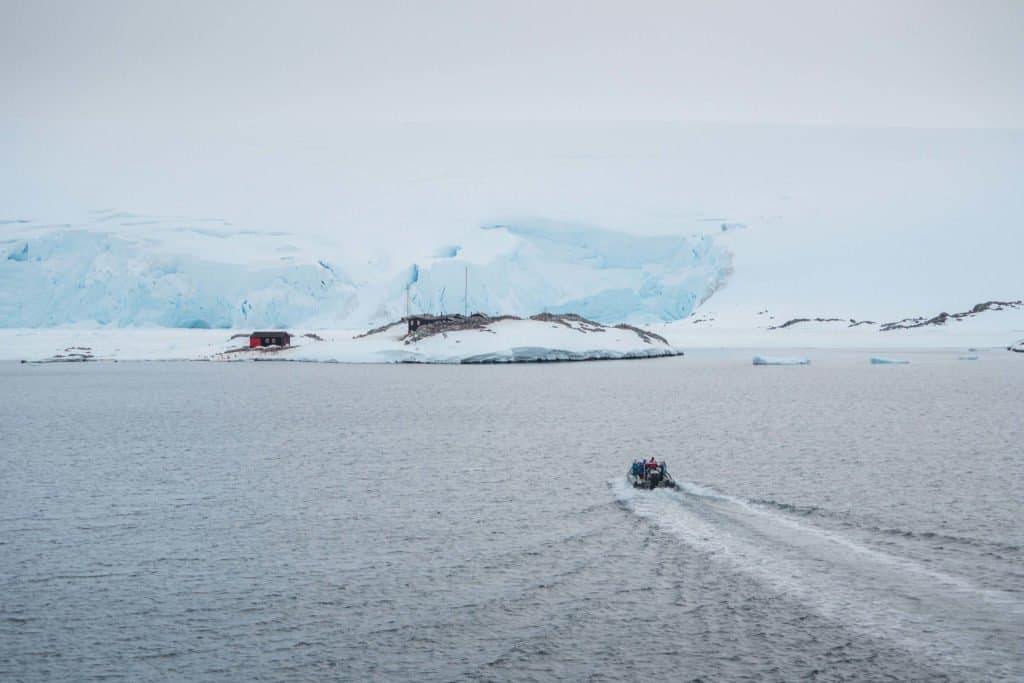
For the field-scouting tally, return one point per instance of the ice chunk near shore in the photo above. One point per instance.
(769, 360)
(877, 360)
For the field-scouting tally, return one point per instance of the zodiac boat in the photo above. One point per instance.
(642, 477)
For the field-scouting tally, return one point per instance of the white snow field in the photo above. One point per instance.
(733, 236)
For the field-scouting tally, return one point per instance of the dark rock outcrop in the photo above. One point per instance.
(796, 321)
(943, 318)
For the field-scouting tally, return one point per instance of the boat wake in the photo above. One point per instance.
(945, 617)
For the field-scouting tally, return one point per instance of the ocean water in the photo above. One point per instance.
(280, 522)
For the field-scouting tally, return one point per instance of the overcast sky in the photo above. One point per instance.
(926, 63)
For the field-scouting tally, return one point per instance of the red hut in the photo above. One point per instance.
(277, 338)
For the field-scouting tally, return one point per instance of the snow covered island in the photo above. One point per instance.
(449, 339)
(477, 338)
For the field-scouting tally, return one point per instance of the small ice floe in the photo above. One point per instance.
(769, 360)
(878, 360)
(1018, 347)
(968, 357)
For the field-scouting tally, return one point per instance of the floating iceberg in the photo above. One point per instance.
(876, 360)
(768, 360)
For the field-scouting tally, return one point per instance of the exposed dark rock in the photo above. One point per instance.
(72, 354)
(452, 323)
(796, 321)
(646, 335)
(433, 325)
(378, 330)
(582, 324)
(943, 318)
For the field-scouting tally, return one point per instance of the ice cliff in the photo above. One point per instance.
(600, 274)
(66, 276)
(125, 270)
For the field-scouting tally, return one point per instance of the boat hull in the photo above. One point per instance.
(655, 480)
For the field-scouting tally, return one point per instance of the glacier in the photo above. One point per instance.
(121, 269)
(73, 276)
(600, 274)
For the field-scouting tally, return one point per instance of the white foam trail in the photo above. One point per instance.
(826, 536)
(944, 616)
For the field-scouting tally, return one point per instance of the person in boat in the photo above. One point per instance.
(652, 464)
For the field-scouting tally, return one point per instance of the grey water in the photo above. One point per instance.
(286, 521)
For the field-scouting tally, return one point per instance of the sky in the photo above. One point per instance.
(915, 63)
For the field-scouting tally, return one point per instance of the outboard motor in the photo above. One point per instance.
(654, 478)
